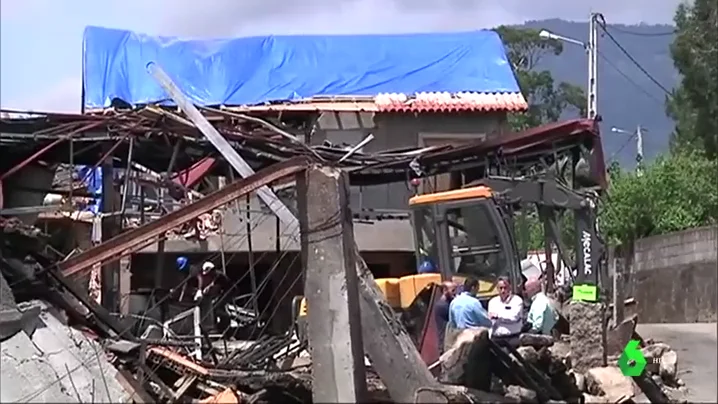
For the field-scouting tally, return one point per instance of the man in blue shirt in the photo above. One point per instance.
(466, 311)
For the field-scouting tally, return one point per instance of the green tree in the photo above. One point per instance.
(674, 193)
(534, 232)
(547, 99)
(694, 104)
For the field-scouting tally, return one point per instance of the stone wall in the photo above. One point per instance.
(674, 277)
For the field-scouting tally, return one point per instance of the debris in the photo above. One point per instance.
(608, 381)
(589, 398)
(227, 396)
(652, 391)
(467, 362)
(524, 395)
(653, 353)
(669, 367)
(55, 362)
(580, 381)
(619, 336)
(529, 354)
(561, 352)
(459, 394)
(536, 340)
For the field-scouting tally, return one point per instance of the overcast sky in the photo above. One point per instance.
(41, 40)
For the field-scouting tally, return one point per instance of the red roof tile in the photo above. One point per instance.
(445, 102)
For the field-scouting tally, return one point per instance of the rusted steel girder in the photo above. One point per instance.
(112, 249)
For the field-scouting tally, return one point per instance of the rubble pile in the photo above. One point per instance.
(151, 365)
(540, 370)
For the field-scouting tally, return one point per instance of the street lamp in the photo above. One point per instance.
(619, 130)
(591, 96)
(550, 35)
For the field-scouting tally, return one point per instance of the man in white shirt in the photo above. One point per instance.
(506, 313)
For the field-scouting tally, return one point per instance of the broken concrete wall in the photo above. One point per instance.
(674, 277)
(55, 363)
(381, 236)
(403, 130)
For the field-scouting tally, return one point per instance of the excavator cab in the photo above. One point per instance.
(464, 233)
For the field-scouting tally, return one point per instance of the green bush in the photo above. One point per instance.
(674, 193)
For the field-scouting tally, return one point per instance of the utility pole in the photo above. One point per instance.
(639, 145)
(594, 21)
(639, 150)
(592, 95)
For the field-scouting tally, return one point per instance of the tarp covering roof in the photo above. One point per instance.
(255, 70)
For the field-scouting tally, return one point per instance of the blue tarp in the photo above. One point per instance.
(255, 70)
(92, 178)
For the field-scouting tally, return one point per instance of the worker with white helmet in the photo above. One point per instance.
(205, 280)
(211, 296)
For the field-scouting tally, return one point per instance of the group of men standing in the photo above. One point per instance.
(506, 316)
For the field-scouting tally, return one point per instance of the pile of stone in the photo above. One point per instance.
(542, 371)
(608, 384)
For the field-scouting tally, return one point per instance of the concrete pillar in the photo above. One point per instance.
(335, 335)
(587, 335)
(110, 275)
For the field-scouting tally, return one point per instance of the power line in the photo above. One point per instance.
(646, 34)
(632, 59)
(628, 78)
(620, 149)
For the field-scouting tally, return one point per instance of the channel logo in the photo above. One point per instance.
(632, 362)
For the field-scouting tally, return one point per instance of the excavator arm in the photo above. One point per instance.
(550, 196)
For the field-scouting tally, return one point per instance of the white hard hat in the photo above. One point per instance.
(207, 266)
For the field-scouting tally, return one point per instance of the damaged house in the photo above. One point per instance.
(407, 91)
